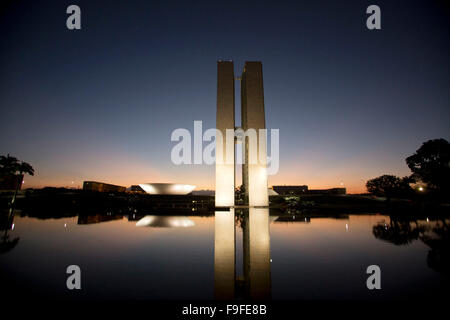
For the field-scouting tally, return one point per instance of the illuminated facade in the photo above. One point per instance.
(225, 120)
(254, 173)
(254, 148)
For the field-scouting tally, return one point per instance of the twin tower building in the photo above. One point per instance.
(250, 135)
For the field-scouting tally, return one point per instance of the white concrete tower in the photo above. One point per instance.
(225, 121)
(254, 170)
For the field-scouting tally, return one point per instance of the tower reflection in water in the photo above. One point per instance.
(256, 248)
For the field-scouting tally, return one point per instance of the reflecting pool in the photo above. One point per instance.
(226, 255)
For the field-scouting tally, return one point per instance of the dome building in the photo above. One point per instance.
(167, 188)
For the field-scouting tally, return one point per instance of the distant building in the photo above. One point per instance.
(328, 191)
(98, 218)
(290, 190)
(203, 193)
(102, 187)
(135, 189)
(299, 190)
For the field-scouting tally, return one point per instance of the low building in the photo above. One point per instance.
(303, 190)
(135, 189)
(102, 187)
(203, 193)
(328, 191)
(290, 190)
(98, 218)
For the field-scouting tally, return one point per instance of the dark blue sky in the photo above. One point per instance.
(100, 103)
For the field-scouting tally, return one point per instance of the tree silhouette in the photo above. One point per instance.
(389, 186)
(12, 166)
(431, 164)
(438, 257)
(397, 232)
(6, 244)
(404, 232)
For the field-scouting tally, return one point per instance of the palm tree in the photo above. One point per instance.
(12, 166)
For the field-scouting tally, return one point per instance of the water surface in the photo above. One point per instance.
(154, 257)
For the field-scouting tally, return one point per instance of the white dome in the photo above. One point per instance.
(165, 222)
(167, 188)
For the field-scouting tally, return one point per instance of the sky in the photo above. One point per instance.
(101, 103)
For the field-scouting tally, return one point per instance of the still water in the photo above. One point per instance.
(226, 255)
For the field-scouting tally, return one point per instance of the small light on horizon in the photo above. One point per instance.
(65, 225)
(420, 188)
